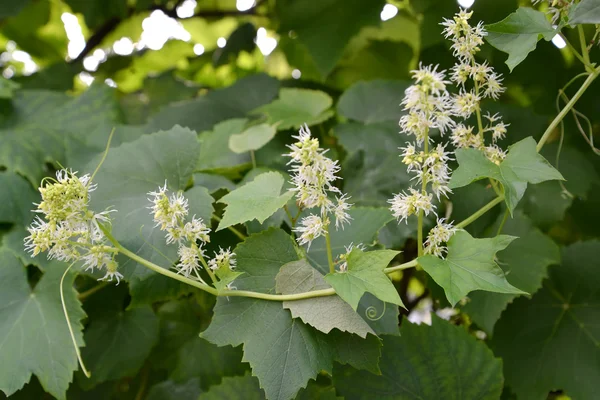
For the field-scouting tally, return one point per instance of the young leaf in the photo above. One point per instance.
(585, 12)
(118, 344)
(34, 338)
(252, 138)
(365, 274)
(469, 266)
(525, 263)
(522, 165)
(427, 363)
(324, 313)
(296, 107)
(552, 342)
(258, 200)
(519, 33)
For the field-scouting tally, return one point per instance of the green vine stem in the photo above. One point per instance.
(480, 212)
(234, 293)
(329, 256)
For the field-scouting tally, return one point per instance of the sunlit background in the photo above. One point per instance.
(157, 30)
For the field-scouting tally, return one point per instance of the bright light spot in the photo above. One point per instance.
(186, 9)
(158, 28)
(389, 11)
(123, 46)
(11, 46)
(91, 63)
(86, 78)
(221, 42)
(559, 42)
(73, 30)
(244, 5)
(265, 44)
(100, 55)
(29, 66)
(296, 74)
(466, 3)
(198, 49)
(110, 82)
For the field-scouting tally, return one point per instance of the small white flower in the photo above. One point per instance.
(188, 259)
(465, 103)
(111, 272)
(223, 259)
(342, 260)
(340, 211)
(437, 236)
(404, 205)
(310, 228)
(494, 153)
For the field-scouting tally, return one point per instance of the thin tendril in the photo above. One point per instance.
(371, 313)
(112, 132)
(64, 307)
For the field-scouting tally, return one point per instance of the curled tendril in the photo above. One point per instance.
(371, 313)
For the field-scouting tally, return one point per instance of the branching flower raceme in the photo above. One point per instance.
(313, 176)
(67, 229)
(170, 213)
(429, 106)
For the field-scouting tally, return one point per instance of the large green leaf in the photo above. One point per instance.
(258, 200)
(324, 313)
(522, 165)
(469, 265)
(372, 101)
(519, 33)
(366, 222)
(296, 107)
(283, 352)
(524, 262)
(586, 12)
(34, 338)
(252, 138)
(41, 125)
(17, 197)
(427, 362)
(326, 27)
(215, 154)
(552, 342)
(235, 388)
(128, 174)
(365, 274)
(118, 344)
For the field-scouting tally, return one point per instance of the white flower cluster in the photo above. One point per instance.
(313, 174)
(439, 235)
(69, 231)
(476, 81)
(170, 213)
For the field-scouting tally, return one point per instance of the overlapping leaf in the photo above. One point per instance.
(469, 265)
(585, 12)
(522, 165)
(252, 138)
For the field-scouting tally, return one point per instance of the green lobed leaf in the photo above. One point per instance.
(296, 107)
(252, 138)
(170, 390)
(365, 274)
(585, 12)
(552, 341)
(524, 262)
(426, 362)
(366, 223)
(469, 265)
(522, 165)
(118, 344)
(258, 200)
(215, 155)
(133, 169)
(323, 313)
(519, 33)
(326, 27)
(34, 338)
